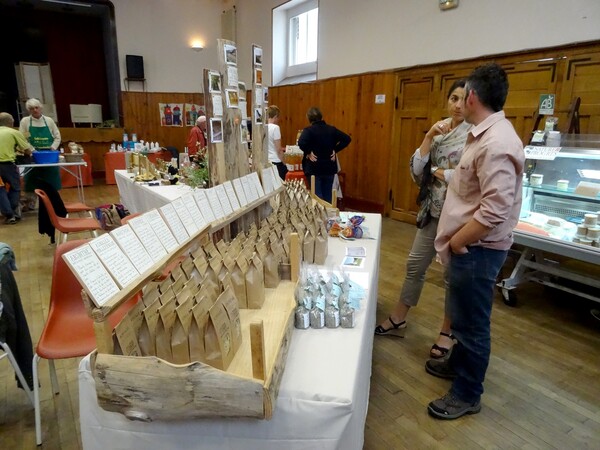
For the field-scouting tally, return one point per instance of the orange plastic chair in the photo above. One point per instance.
(67, 225)
(78, 207)
(68, 331)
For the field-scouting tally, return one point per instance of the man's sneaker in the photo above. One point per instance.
(17, 213)
(440, 368)
(450, 407)
(10, 221)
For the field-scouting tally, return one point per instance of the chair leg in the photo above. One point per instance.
(94, 233)
(13, 362)
(53, 378)
(36, 398)
(63, 237)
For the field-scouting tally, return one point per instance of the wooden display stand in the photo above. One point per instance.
(136, 387)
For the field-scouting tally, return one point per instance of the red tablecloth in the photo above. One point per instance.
(116, 161)
(68, 180)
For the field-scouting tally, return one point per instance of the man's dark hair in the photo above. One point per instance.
(490, 83)
(314, 114)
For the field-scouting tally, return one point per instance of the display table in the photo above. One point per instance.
(72, 168)
(139, 198)
(68, 180)
(116, 161)
(323, 396)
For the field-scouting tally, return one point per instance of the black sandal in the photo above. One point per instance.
(443, 350)
(397, 329)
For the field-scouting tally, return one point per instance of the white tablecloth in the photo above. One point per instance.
(323, 397)
(139, 197)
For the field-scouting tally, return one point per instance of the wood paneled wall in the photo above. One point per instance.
(141, 115)
(384, 136)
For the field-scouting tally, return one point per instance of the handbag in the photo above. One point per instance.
(424, 214)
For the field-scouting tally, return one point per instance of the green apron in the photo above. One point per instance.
(41, 138)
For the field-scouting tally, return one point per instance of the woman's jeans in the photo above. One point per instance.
(471, 293)
(420, 257)
(323, 186)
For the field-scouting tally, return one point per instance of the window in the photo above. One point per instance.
(302, 46)
(295, 41)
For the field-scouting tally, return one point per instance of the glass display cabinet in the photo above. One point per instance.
(559, 220)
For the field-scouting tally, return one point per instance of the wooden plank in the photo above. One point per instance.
(257, 344)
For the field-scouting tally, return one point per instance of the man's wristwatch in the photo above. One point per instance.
(434, 169)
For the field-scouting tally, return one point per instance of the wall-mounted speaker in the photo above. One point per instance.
(135, 66)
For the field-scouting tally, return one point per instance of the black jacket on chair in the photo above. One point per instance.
(44, 224)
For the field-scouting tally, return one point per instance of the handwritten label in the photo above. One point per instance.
(233, 200)
(215, 204)
(161, 229)
(239, 190)
(267, 182)
(257, 186)
(186, 218)
(113, 258)
(174, 222)
(148, 238)
(132, 247)
(93, 275)
(192, 207)
(277, 179)
(204, 206)
(222, 196)
(248, 189)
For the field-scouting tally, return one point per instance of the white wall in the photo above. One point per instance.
(161, 31)
(355, 36)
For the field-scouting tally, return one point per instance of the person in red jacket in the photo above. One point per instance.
(196, 141)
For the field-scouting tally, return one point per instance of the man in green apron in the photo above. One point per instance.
(43, 134)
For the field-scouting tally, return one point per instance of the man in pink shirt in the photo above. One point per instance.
(474, 235)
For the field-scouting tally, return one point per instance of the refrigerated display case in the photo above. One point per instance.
(557, 238)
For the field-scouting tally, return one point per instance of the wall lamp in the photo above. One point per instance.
(197, 46)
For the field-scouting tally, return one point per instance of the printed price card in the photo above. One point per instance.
(113, 258)
(133, 248)
(161, 230)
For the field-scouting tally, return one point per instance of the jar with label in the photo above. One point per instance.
(536, 179)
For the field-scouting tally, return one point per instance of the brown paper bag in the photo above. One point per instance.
(164, 328)
(271, 268)
(197, 329)
(136, 316)
(222, 247)
(188, 268)
(179, 338)
(255, 283)
(128, 344)
(238, 280)
(230, 304)
(146, 336)
(321, 246)
(217, 338)
(308, 247)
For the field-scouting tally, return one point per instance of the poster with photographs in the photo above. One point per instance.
(217, 104)
(244, 132)
(242, 90)
(265, 95)
(258, 76)
(257, 56)
(216, 130)
(192, 112)
(171, 114)
(214, 82)
(231, 97)
(230, 54)
(258, 115)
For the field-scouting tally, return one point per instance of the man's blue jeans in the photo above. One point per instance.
(9, 200)
(472, 280)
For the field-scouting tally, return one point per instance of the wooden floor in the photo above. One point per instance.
(542, 386)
